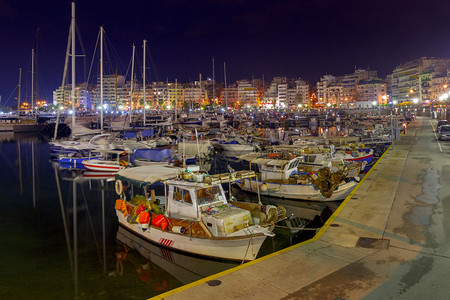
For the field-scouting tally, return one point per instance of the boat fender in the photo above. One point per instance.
(124, 208)
(178, 229)
(140, 209)
(263, 187)
(164, 224)
(119, 187)
(118, 204)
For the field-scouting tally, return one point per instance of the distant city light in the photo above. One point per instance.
(415, 100)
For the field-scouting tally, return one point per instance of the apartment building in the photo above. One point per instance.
(407, 82)
(373, 90)
(334, 94)
(246, 94)
(439, 86)
(303, 90)
(229, 96)
(83, 96)
(175, 95)
(322, 85)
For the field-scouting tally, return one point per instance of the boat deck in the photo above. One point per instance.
(390, 239)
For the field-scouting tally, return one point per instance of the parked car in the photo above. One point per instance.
(444, 133)
(440, 123)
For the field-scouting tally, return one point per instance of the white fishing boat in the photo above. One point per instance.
(234, 147)
(194, 214)
(113, 161)
(282, 177)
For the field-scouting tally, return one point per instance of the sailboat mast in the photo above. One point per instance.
(143, 78)
(214, 84)
(32, 80)
(18, 93)
(132, 77)
(201, 90)
(101, 79)
(73, 66)
(176, 98)
(226, 92)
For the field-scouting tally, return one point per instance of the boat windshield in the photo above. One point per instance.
(208, 195)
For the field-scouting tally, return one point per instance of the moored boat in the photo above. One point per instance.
(113, 161)
(282, 176)
(194, 214)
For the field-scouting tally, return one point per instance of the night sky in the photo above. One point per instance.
(254, 37)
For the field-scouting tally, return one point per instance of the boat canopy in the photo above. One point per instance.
(157, 155)
(259, 159)
(146, 175)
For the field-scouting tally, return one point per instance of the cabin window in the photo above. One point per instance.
(208, 195)
(309, 158)
(182, 195)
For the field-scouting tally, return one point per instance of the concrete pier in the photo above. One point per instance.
(390, 238)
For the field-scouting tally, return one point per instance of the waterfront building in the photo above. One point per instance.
(406, 82)
(334, 94)
(271, 96)
(160, 95)
(303, 92)
(349, 84)
(111, 85)
(61, 96)
(246, 94)
(373, 90)
(193, 95)
(83, 96)
(439, 85)
(322, 85)
(282, 95)
(175, 95)
(230, 95)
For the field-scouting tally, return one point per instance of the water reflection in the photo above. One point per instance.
(66, 218)
(185, 268)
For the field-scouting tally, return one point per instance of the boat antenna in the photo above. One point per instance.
(183, 155)
(198, 149)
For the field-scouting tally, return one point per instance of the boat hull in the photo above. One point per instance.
(297, 191)
(237, 248)
(101, 166)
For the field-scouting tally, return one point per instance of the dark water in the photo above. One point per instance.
(53, 247)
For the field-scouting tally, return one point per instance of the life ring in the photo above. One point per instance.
(119, 187)
(263, 187)
(123, 163)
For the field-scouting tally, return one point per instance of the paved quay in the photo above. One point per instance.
(390, 238)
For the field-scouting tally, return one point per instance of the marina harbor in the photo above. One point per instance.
(387, 239)
(224, 150)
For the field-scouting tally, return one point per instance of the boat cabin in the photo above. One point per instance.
(188, 201)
